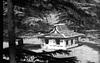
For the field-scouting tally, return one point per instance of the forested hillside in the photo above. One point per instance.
(41, 15)
(31, 17)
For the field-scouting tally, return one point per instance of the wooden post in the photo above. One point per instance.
(11, 31)
(79, 38)
(73, 41)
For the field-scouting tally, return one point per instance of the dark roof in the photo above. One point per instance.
(53, 35)
(61, 31)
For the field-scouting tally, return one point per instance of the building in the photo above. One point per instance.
(60, 38)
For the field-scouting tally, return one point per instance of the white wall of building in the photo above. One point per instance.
(32, 41)
(62, 45)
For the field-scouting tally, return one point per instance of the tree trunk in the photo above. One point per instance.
(11, 32)
(1, 47)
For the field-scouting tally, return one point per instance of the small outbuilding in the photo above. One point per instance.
(60, 38)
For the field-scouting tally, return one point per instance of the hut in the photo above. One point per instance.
(60, 38)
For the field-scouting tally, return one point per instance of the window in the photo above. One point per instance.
(71, 41)
(66, 42)
(52, 41)
(46, 41)
(58, 41)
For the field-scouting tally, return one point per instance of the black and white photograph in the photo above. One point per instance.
(51, 31)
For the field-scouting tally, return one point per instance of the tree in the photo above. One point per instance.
(11, 32)
(43, 57)
(77, 12)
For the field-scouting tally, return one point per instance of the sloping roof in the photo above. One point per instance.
(61, 31)
(53, 35)
(71, 33)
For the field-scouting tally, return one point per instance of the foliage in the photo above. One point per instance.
(42, 57)
(82, 14)
(78, 12)
(87, 21)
